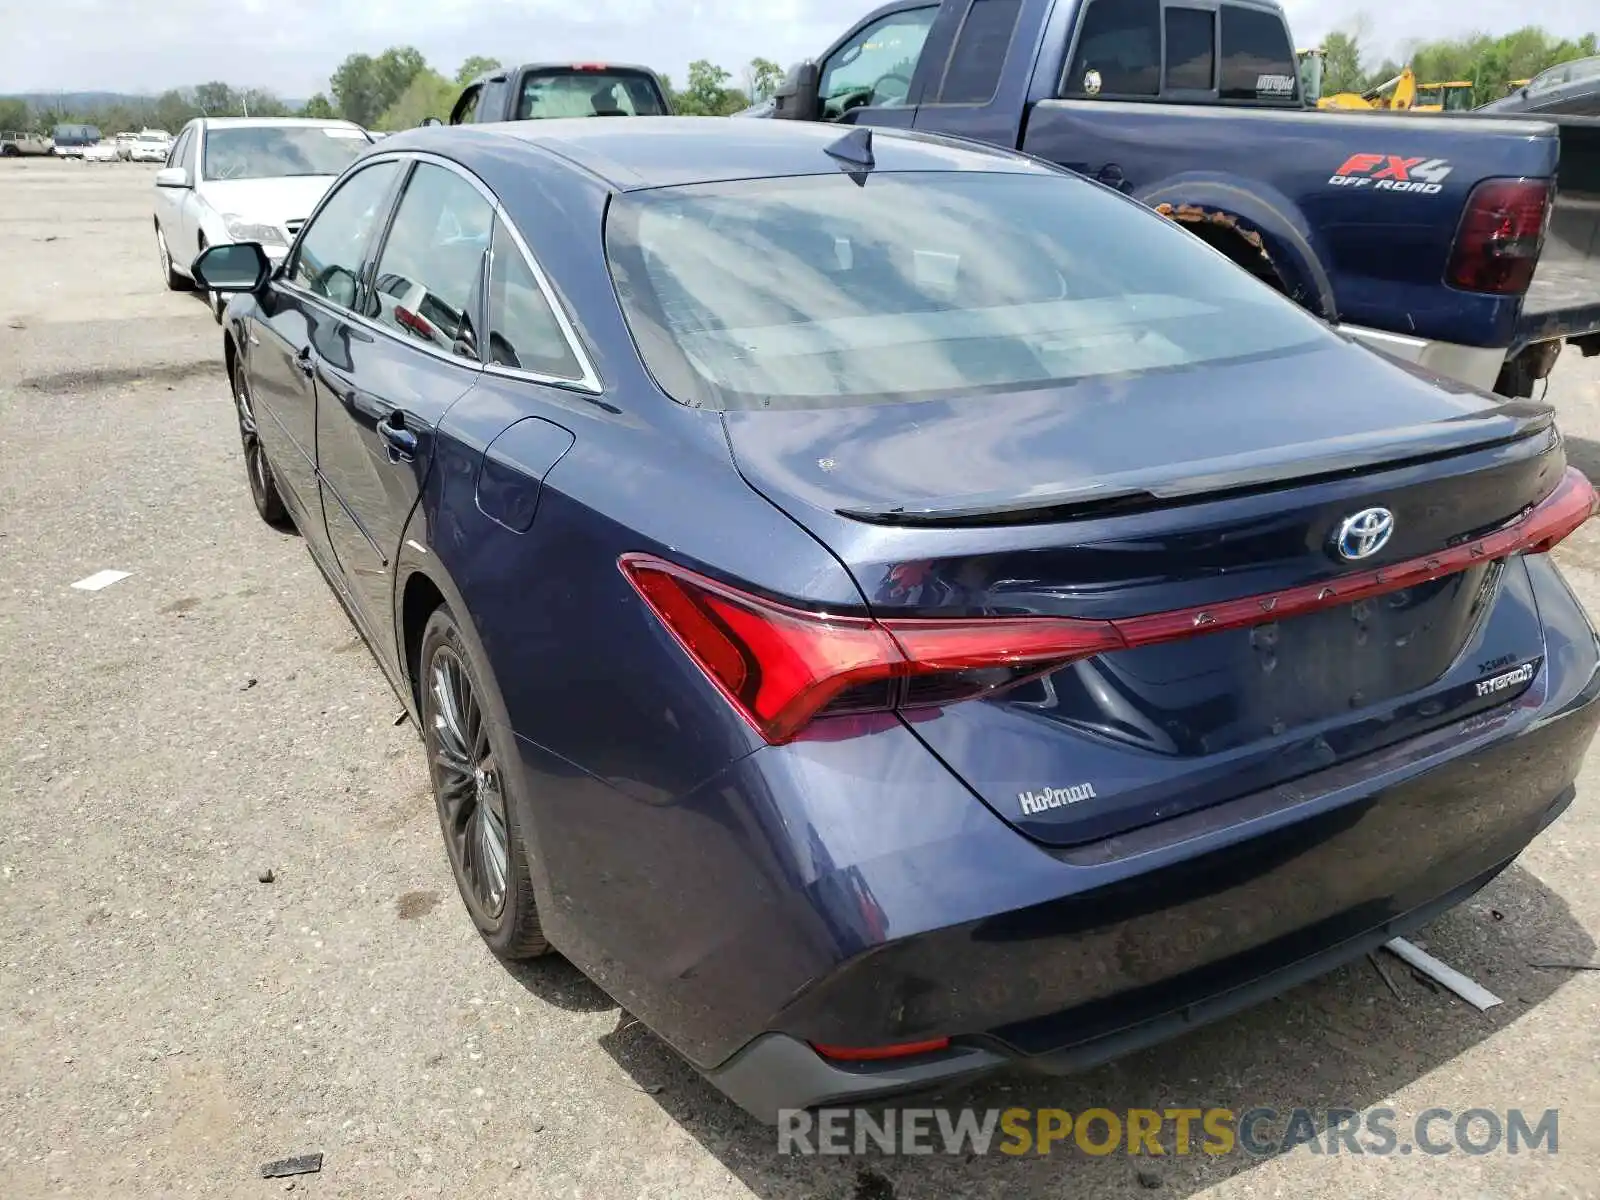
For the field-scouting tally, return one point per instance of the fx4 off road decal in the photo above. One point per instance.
(1393, 173)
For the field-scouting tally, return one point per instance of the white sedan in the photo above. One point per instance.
(237, 179)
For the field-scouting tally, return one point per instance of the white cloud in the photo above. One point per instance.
(291, 46)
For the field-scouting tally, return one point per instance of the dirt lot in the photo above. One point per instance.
(168, 1023)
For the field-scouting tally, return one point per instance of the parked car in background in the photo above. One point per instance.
(104, 151)
(69, 141)
(151, 145)
(888, 608)
(540, 91)
(1572, 88)
(124, 144)
(18, 144)
(245, 179)
(1423, 237)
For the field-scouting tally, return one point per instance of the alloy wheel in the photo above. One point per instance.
(467, 782)
(255, 461)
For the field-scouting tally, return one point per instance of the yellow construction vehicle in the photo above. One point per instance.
(1456, 96)
(1399, 94)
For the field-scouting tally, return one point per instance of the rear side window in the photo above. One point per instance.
(523, 331)
(1257, 63)
(1191, 49)
(426, 286)
(816, 291)
(1119, 50)
(980, 52)
(588, 92)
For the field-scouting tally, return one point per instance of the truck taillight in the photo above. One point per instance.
(1498, 240)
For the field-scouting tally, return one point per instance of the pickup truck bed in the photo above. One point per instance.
(1564, 299)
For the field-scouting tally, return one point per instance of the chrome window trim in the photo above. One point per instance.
(589, 379)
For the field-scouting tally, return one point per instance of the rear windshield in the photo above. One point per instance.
(816, 291)
(275, 151)
(588, 92)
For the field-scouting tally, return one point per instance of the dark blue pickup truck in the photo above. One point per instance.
(1427, 237)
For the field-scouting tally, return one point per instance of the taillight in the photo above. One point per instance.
(1498, 241)
(782, 667)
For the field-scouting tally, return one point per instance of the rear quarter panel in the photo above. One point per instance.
(1327, 222)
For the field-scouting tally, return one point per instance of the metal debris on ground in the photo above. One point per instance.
(1472, 992)
(266, 875)
(305, 1164)
(1384, 975)
(100, 579)
(1565, 966)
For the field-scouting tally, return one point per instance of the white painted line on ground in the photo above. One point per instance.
(101, 579)
(1473, 993)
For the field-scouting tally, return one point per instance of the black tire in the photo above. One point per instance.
(477, 817)
(214, 300)
(175, 281)
(263, 485)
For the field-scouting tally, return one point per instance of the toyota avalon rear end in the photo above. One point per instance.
(1197, 650)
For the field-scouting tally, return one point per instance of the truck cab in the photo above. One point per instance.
(536, 91)
(1419, 235)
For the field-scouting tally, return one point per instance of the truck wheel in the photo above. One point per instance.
(175, 281)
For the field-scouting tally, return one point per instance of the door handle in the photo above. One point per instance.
(302, 359)
(402, 442)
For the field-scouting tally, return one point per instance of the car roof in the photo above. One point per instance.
(634, 153)
(268, 122)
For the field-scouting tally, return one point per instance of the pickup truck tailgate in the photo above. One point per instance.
(1564, 299)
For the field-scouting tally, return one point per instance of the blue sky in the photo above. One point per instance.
(291, 46)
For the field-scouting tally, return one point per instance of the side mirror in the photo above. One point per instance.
(232, 267)
(173, 177)
(428, 122)
(797, 97)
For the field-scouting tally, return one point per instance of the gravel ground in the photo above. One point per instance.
(168, 1022)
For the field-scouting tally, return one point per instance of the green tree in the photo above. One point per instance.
(365, 87)
(217, 99)
(475, 66)
(172, 110)
(1341, 70)
(708, 93)
(429, 94)
(318, 106)
(258, 102)
(15, 115)
(761, 78)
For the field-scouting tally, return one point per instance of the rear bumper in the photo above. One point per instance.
(1476, 365)
(1129, 941)
(777, 1071)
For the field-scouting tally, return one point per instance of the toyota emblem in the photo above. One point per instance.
(1363, 534)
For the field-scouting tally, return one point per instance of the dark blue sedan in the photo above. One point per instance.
(886, 608)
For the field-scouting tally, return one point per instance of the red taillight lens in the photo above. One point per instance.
(782, 666)
(879, 1053)
(1498, 241)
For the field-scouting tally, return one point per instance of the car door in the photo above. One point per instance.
(301, 320)
(412, 353)
(189, 214)
(868, 77)
(169, 202)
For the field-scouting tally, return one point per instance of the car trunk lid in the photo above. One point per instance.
(1197, 516)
